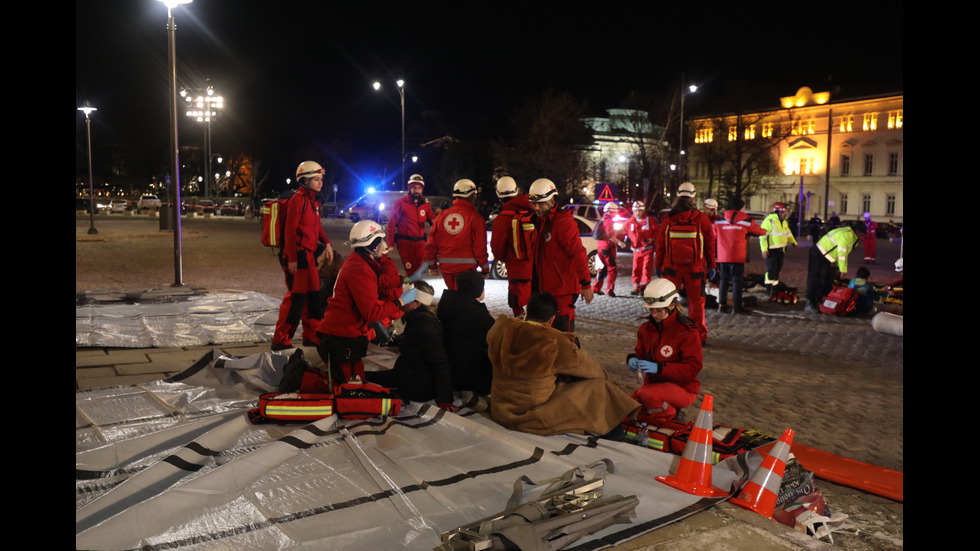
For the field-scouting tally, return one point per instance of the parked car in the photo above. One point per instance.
(589, 211)
(206, 206)
(148, 202)
(232, 208)
(118, 205)
(373, 206)
(498, 269)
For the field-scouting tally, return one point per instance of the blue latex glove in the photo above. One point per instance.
(409, 295)
(712, 273)
(417, 274)
(645, 366)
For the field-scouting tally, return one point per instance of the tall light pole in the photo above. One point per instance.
(401, 92)
(175, 147)
(87, 109)
(203, 107)
(680, 149)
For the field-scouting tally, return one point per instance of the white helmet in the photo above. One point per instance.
(365, 232)
(659, 293)
(506, 187)
(416, 179)
(464, 188)
(307, 169)
(542, 190)
(710, 203)
(638, 205)
(686, 190)
(610, 208)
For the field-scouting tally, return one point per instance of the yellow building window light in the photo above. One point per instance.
(704, 135)
(847, 123)
(895, 119)
(732, 133)
(750, 132)
(767, 130)
(870, 121)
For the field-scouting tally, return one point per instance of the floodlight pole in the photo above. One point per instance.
(87, 109)
(175, 148)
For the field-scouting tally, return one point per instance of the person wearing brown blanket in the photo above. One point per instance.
(544, 383)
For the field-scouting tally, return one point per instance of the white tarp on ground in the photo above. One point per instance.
(175, 464)
(172, 319)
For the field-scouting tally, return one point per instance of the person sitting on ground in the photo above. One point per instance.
(421, 372)
(544, 383)
(668, 353)
(465, 323)
(866, 292)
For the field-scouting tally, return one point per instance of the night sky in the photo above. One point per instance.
(295, 72)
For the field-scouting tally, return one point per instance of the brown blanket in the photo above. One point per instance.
(544, 383)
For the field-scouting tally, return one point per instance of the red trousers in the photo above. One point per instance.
(412, 254)
(869, 242)
(607, 250)
(661, 401)
(642, 267)
(693, 284)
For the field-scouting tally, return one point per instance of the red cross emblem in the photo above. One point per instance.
(454, 223)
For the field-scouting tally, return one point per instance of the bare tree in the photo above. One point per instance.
(550, 139)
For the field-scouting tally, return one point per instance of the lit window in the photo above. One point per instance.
(803, 127)
(847, 123)
(803, 166)
(870, 121)
(750, 132)
(767, 130)
(895, 119)
(704, 135)
(732, 133)
(845, 165)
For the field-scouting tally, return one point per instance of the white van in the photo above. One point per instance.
(374, 206)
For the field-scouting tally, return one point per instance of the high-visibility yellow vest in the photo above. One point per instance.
(777, 235)
(836, 245)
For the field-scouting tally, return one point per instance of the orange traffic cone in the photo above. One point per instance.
(694, 471)
(760, 492)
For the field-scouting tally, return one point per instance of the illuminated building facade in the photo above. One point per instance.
(860, 140)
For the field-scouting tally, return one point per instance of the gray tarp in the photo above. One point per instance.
(175, 464)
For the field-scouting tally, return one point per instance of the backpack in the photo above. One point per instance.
(839, 302)
(522, 232)
(274, 222)
(685, 243)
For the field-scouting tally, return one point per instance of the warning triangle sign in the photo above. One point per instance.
(605, 194)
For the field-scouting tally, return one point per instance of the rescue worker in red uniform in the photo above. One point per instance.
(668, 355)
(870, 238)
(512, 241)
(356, 303)
(686, 252)
(731, 233)
(406, 225)
(642, 232)
(561, 265)
(458, 238)
(304, 241)
(608, 240)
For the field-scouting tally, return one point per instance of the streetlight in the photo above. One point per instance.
(87, 109)
(401, 92)
(680, 149)
(175, 148)
(203, 107)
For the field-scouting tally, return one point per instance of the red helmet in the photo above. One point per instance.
(779, 207)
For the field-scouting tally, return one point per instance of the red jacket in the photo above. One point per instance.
(458, 239)
(355, 302)
(731, 231)
(502, 239)
(407, 220)
(676, 345)
(303, 226)
(707, 243)
(561, 265)
(640, 231)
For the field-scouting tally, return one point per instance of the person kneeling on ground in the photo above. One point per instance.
(544, 383)
(421, 372)
(866, 292)
(668, 353)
